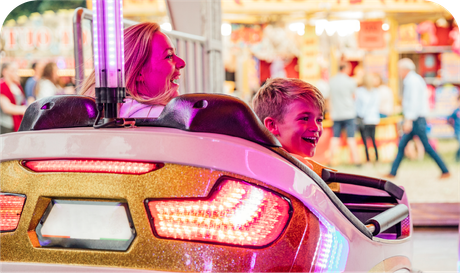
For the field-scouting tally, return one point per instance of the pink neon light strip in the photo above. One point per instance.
(92, 166)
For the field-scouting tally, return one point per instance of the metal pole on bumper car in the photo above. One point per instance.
(109, 60)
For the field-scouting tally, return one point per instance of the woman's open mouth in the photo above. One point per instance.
(175, 79)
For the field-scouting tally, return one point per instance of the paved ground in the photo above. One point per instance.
(435, 249)
(421, 178)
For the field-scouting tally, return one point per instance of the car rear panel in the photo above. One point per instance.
(293, 250)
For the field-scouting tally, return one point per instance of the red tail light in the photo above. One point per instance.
(92, 166)
(10, 210)
(236, 213)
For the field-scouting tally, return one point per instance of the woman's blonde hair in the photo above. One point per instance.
(138, 50)
(368, 81)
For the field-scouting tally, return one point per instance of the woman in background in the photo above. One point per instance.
(367, 110)
(12, 99)
(152, 71)
(46, 86)
(386, 97)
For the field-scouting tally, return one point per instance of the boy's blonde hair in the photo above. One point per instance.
(277, 94)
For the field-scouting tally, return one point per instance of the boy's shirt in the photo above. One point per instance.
(335, 187)
(303, 160)
(455, 117)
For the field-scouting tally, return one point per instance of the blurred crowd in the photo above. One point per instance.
(16, 93)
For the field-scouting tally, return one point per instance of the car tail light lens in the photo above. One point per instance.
(92, 166)
(236, 213)
(10, 210)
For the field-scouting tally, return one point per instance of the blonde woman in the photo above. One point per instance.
(152, 71)
(47, 85)
(367, 110)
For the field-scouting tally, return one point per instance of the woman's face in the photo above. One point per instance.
(162, 72)
(11, 73)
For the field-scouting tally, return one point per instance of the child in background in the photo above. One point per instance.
(292, 110)
(454, 120)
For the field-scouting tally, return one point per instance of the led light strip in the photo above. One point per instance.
(108, 44)
(331, 252)
(92, 166)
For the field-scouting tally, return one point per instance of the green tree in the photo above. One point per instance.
(56, 5)
(23, 9)
(42, 6)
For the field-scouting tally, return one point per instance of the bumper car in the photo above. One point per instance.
(203, 187)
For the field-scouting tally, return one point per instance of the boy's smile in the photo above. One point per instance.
(301, 128)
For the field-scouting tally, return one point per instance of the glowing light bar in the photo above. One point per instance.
(237, 213)
(92, 166)
(10, 211)
(331, 252)
(108, 43)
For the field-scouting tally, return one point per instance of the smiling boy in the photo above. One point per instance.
(292, 110)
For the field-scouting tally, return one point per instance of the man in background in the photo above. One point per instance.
(342, 90)
(415, 109)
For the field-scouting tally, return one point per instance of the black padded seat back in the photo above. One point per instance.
(209, 113)
(215, 113)
(62, 111)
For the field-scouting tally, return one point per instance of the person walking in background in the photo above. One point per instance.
(367, 110)
(342, 90)
(415, 109)
(46, 86)
(32, 81)
(386, 97)
(454, 120)
(12, 99)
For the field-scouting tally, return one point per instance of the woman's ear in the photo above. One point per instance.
(271, 125)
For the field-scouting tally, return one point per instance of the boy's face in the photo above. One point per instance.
(301, 128)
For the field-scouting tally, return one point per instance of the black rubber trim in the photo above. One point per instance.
(366, 181)
(355, 198)
(335, 200)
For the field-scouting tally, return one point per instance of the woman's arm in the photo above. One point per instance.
(11, 109)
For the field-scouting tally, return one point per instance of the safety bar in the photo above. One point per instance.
(192, 48)
(330, 176)
(387, 219)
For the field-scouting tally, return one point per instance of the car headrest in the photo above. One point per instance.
(215, 113)
(62, 111)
